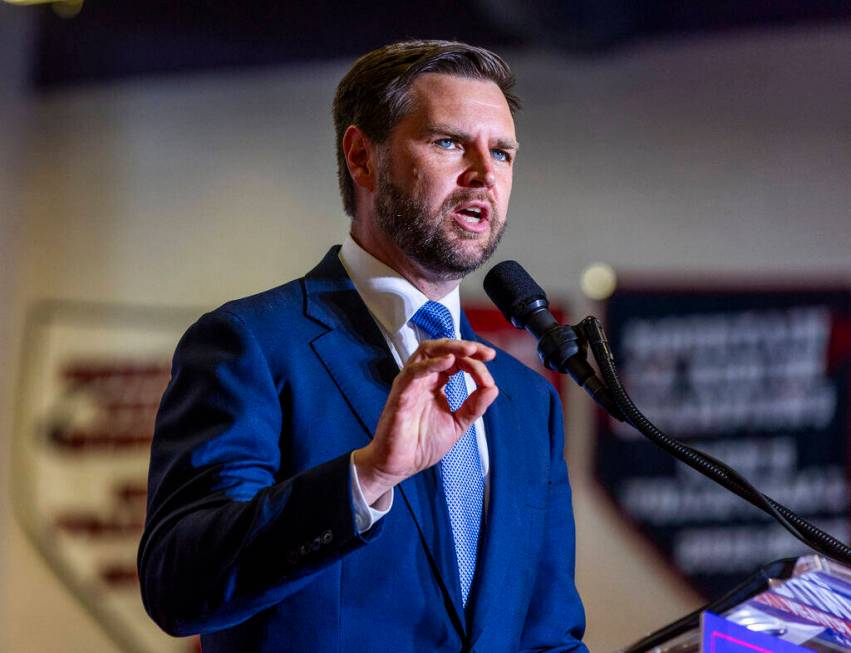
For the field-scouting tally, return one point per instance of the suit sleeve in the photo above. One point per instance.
(555, 620)
(225, 537)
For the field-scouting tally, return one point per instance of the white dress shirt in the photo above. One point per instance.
(392, 301)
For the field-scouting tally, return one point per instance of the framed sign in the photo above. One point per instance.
(92, 378)
(756, 378)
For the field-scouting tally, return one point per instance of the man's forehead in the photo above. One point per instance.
(440, 98)
(445, 87)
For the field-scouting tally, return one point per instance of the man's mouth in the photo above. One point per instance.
(472, 216)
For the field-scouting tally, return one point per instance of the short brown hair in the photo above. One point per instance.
(374, 93)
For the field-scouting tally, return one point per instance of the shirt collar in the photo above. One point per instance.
(391, 299)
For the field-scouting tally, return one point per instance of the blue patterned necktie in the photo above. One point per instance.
(461, 467)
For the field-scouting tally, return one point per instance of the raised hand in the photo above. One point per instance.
(417, 427)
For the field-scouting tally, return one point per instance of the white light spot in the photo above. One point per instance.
(598, 281)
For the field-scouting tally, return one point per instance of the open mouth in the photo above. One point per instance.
(472, 216)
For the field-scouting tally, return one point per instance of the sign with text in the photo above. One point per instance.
(92, 380)
(756, 378)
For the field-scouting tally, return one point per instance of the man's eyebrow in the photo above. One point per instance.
(508, 145)
(440, 129)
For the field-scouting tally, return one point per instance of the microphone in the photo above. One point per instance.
(524, 303)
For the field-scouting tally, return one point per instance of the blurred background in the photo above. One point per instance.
(160, 158)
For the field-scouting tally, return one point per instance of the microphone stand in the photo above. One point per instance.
(610, 393)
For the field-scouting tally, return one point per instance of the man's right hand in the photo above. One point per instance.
(417, 427)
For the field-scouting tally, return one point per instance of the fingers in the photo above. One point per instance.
(446, 366)
(476, 369)
(426, 366)
(475, 406)
(450, 356)
(462, 348)
(433, 363)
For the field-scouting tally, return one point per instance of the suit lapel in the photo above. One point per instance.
(505, 517)
(356, 356)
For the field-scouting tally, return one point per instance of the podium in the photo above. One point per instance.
(788, 606)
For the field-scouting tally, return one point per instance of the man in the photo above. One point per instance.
(334, 468)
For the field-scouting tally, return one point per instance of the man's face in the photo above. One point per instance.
(444, 175)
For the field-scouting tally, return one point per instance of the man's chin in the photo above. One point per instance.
(471, 251)
(456, 264)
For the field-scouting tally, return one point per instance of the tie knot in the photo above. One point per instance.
(435, 320)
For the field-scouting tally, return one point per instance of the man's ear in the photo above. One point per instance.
(360, 156)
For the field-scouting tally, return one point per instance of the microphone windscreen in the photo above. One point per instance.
(511, 288)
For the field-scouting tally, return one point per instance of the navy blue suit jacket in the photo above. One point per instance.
(250, 537)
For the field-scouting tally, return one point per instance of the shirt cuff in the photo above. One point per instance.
(366, 515)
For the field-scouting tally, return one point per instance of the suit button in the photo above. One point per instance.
(327, 536)
(314, 546)
(303, 550)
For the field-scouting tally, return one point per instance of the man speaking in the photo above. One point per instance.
(339, 464)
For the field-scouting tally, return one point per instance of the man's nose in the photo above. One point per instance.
(479, 172)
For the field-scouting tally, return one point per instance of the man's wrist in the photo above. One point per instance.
(366, 515)
(374, 485)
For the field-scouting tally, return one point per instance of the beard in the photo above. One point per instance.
(432, 239)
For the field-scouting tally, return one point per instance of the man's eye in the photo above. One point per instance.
(501, 155)
(445, 143)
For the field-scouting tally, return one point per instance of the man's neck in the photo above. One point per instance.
(427, 283)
